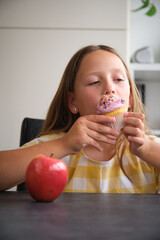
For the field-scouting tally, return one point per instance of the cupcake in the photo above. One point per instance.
(110, 106)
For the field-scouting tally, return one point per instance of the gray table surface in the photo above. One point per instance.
(80, 216)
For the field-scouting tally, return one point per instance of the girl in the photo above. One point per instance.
(99, 158)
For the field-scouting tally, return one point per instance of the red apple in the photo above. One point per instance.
(46, 178)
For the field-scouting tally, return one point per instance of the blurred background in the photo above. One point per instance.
(38, 38)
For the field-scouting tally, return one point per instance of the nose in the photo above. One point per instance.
(108, 86)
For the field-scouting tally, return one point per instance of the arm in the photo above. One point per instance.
(151, 154)
(140, 144)
(13, 163)
(87, 130)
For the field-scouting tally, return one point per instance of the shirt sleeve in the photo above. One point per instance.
(42, 139)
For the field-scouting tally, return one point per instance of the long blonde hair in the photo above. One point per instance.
(59, 117)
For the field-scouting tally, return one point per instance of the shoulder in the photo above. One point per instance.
(44, 138)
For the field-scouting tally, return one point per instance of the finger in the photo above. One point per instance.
(102, 129)
(134, 115)
(137, 140)
(96, 145)
(100, 119)
(91, 142)
(101, 137)
(136, 122)
(129, 130)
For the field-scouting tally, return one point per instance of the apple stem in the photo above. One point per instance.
(52, 154)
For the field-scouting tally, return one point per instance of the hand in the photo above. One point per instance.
(134, 131)
(90, 130)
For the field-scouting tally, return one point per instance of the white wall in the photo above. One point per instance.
(37, 39)
(144, 30)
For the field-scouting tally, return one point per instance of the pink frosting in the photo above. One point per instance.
(109, 103)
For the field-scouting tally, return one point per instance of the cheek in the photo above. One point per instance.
(90, 96)
(87, 103)
(92, 99)
(86, 96)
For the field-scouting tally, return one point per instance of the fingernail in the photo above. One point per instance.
(101, 149)
(129, 138)
(117, 133)
(112, 119)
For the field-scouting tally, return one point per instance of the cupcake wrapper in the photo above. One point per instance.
(119, 123)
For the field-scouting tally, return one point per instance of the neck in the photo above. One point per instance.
(107, 154)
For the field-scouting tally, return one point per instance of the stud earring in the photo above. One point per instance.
(74, 109)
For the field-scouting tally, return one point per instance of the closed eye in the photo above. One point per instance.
(94, 83)
(119, 80)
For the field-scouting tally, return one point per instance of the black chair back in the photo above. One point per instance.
(30, 128)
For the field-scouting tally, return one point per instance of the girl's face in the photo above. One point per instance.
(100, 72)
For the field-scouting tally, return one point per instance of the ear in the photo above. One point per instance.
(72, 103)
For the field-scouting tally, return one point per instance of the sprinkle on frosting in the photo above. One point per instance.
(109, 103)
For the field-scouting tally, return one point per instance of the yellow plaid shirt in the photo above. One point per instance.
(86, 175)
